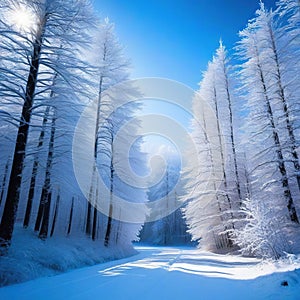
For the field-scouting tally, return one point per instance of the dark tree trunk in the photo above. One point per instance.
(39, 216)
(94, 230)
(110, 212)
(70, 217)
(108, 228)
(88, 219)
(35, 170)
(46, 193)
(14, 185)
(3, 186)
(232, 138)
(43, 234)
(55, 214)
(230, 243)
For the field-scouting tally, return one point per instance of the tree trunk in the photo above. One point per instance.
(46, 193)
(110, 213)
(108, 228)
(94, 229)
(223, 161)
(55, 214)
(39, 216)
(70, 217)
(88, 219)
(43, 234)
(232, 138)
(35, 170)
(4, 181)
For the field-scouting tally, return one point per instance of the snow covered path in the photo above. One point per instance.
(163, 274)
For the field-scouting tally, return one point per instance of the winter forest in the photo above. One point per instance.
(64, 76)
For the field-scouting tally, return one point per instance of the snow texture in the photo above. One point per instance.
(169, 273)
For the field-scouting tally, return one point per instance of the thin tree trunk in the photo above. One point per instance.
(281, 166)
(35, 170)
(88, 219)
(110, 213)
(248, 185)
(46, 186)
(4, 181)
(43, 234)
(108, 228)
(14, 185)
(45, 198)
(92, 187)
(223, 161)
(95, 221)
(39, 216)
(70, 217)
(94, 229)
(55, 214)
(232, 139)
(90, 201)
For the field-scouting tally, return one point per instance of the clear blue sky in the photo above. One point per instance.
(176, 39)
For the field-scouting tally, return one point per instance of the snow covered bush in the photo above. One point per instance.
(261, 234)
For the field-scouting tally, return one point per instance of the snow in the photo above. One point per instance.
(168, 273)
(30, 257)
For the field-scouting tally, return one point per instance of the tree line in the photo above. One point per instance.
(252, 201)
(54, 61)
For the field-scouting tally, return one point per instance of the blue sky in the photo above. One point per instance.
(175, 39)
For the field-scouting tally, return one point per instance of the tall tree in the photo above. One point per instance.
(112, 68)
(225, 91)
(211, 211)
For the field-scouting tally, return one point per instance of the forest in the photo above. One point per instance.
(60, 65)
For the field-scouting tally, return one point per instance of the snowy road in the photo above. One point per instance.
(163, 274)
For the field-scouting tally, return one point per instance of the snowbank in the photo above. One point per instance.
(30, 257)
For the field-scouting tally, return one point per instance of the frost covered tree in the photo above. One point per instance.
(112, 68)
(225, 96)
(270, 210)
(210, 212)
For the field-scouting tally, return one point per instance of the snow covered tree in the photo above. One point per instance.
(269, 140)
(225, 96)
(211, 211)
(112, 68)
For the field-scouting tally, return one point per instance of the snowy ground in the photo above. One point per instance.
(167, 273)
(30, 257)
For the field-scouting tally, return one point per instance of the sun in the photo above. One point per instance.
(22, 18)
